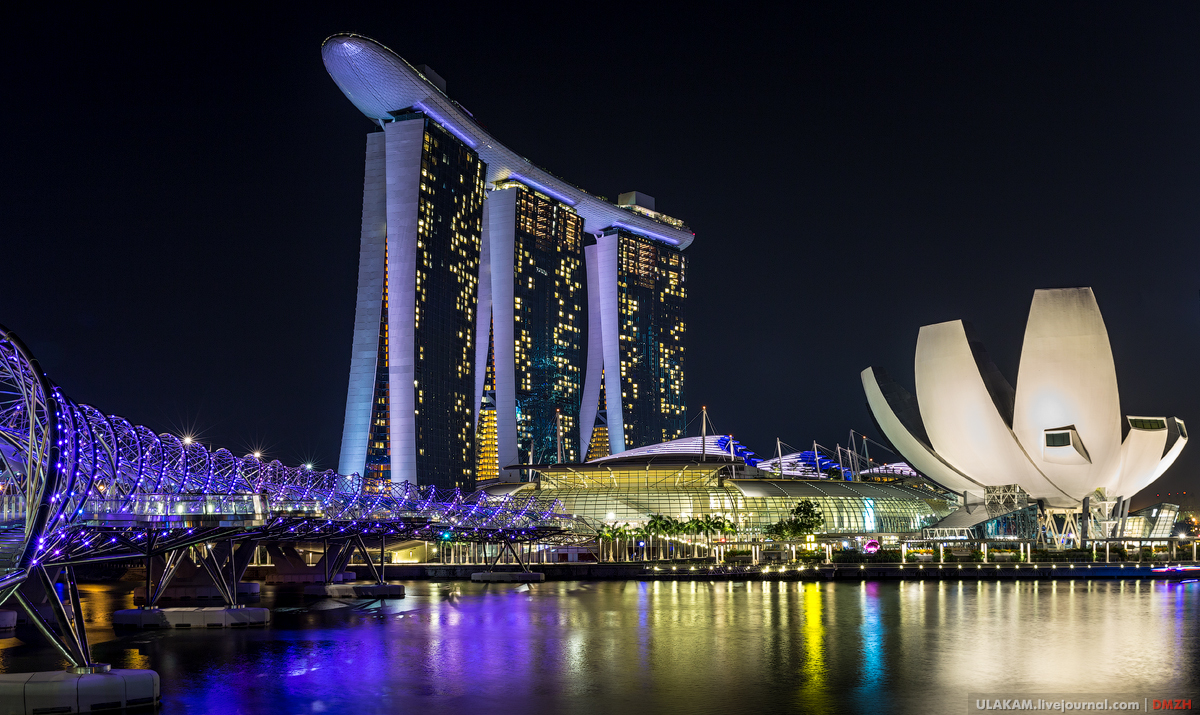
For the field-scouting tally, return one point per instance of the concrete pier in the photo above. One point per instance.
(191, 617)
(508, 577)
(8, 619)
(345, 590)
(67, 691)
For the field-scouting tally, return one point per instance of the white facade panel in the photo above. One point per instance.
(404, 143)
(964, 426)
(483, 313)
(1169, 458)
(914, 452)
(595, 352)
(610, 326)
(367, 312)
(1141, 452)
(502, 223)
(1067, 377)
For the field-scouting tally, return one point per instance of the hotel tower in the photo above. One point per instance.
(504, 316)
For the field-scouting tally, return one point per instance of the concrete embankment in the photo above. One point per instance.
(978, 572)
(650, 571)
(554, 572)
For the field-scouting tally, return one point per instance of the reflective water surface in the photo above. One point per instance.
(632, 646)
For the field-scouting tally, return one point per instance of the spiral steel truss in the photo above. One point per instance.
(77, 486)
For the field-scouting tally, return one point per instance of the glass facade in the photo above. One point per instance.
(599, 446)
(631, 494)
(1016, 524)
(652, 287)
(379, 452)
(449, 230)
(487, 454)
(548, 326)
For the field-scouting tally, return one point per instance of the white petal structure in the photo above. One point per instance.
(1058, 435)
(1067, 379)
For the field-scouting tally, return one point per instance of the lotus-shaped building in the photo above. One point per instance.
(1058, 435)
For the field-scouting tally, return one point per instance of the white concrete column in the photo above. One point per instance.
(404, 142)
(367, 312)
(483, 312)
(502, 224)
(595, 351)
(610, 317)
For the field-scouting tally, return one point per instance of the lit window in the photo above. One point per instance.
(1058, 439)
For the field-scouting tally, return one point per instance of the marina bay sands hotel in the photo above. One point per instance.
(504, 316)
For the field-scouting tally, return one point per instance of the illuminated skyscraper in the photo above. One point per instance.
(531, 305)
(637, 287)
(419, 397)
(410, 410)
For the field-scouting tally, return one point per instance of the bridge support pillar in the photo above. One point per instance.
(79, 690)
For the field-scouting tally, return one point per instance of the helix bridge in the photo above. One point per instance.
(80, 487)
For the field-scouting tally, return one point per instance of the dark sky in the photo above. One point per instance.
(181, 194)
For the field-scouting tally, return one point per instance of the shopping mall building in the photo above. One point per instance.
(715, 476)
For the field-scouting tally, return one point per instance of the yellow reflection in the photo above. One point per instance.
(135, 659)
(814, 643)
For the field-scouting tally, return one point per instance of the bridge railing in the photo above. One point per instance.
(177, 505)
(295, 507)
(12, 507)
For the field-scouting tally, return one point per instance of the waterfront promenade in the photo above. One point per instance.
(695, 571)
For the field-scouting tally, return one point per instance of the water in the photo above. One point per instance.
(687, 647)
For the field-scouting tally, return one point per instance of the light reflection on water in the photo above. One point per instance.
(664, 647)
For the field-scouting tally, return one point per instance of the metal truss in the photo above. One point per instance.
(78, 486)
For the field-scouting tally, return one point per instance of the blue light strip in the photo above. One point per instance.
(466, 138)
(643, 232)
(543, 188)
(739, 450)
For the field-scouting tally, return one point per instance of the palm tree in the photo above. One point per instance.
(641, 534)
(657, 526)
(727, 529)
(623, 535)
(713, 522)
(695, 527)
(666, 526)
(605, 533)
(698, 528)
(718, 524)
(679, 529)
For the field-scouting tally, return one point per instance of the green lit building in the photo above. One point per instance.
(635, 390)
(531, 313)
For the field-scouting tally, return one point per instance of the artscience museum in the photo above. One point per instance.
(1059, 435)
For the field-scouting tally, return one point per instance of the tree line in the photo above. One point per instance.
(657, 534)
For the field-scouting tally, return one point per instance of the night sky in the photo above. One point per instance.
(179, 219)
